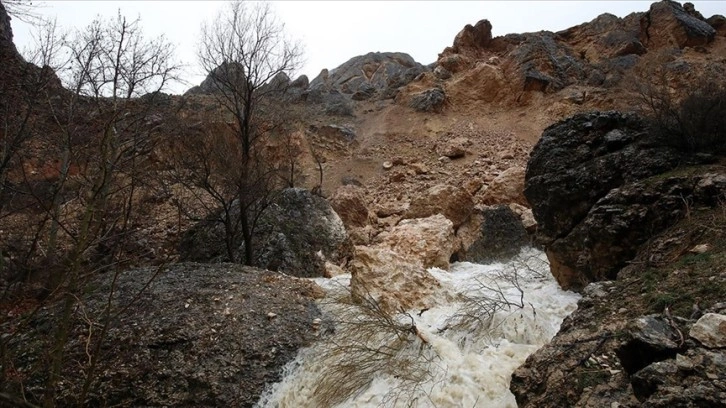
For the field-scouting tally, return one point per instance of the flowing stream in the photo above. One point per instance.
(460, 353)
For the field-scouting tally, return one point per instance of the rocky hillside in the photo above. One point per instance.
(403, 167)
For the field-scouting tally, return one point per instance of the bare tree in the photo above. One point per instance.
(97, 127)
(243, 50)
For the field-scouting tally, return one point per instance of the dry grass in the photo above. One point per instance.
(366, 342)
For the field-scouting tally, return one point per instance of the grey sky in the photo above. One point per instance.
(332, 32)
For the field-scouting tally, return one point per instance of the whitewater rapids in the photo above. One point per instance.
(459, 355)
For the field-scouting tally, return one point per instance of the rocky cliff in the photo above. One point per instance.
(646, 222)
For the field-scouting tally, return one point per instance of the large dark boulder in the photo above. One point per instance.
(197, 335)
(501, 237)
(296, 235)
(591, 186)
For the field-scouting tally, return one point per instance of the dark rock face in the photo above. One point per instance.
(198, 335)
(626, 208)
(6, 32)
(298, 226)
(289, 236)
(502, 237)
(577, 183)
(430, 100)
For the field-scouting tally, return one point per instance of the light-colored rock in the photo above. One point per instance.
(332, 270)
(349, 202)
(391, 280)
(469, 232)
(700, 249)
(710, 330)
(419, 168)
(426, 241)
(387, 165)
(525, 214)
(508, 187)
(454, 148)
(389, 208)
(455, 203)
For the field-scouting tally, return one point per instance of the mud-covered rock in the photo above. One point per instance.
(426, 241)
(395, 282)
(184, 335)
(350, 204)
(454, 203)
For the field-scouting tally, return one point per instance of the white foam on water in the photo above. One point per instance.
(465, 361)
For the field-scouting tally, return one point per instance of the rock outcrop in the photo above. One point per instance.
(197, 335)
(668, 24)
(637, 217)
(499, 237)
(365, 76)
(515, 69)
(594, 165)
(296, 235)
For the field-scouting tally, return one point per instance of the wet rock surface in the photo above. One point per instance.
(644, 233)
(619, 189)
(197, 335)
(501, 237)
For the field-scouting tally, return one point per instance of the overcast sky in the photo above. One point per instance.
(333, 32)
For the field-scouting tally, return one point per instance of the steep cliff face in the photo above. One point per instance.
(646, 222)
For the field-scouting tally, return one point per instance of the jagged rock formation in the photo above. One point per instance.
(614, 203)
(511, 69)
(588, 164)
(370, 76)
(198, 335)
(364, 76)
(296, 235)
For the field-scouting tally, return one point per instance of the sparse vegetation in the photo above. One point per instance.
(692, 118)
(365, 342)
